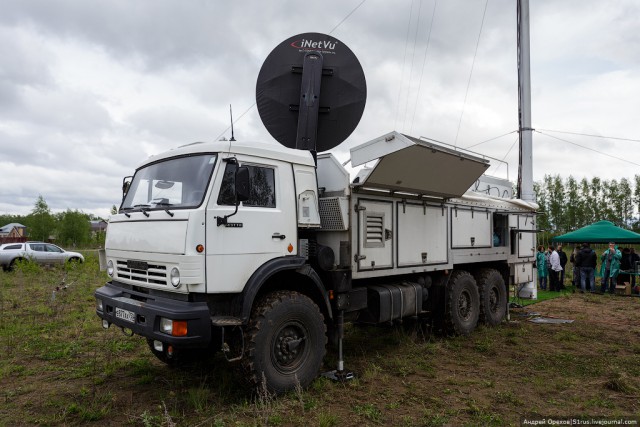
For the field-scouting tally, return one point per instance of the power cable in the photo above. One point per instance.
(347, 17)
(487, 140)
(471, 73)
(424, 61)
(413, 57)
(404, 63)
(505, 156)
(587, 148)
(593, 136)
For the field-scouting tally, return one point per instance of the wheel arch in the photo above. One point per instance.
(285, 273)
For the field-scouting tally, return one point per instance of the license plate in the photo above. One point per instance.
(137, 265)
(127, 315)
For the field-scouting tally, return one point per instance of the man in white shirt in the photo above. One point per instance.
(556, 268)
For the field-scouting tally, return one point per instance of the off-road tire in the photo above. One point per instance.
(462, 305)
(493, 296)
(285, 342)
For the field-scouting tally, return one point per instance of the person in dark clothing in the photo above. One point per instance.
(575, 269)
(633, 258)
(625, 265)
(586, 260)
(563, 263)
(625, 262)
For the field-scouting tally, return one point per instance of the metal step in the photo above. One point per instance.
(225, 321)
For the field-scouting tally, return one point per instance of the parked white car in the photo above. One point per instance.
(42, 253)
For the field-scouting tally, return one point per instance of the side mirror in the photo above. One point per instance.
(126, 183)
(242, 184)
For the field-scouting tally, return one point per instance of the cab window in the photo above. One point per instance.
(261, 183)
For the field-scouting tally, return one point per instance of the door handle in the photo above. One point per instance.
(278, 236)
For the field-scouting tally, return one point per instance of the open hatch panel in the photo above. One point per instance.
(409, 165)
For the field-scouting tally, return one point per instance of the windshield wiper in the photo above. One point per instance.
(162, 203)
(143, 208)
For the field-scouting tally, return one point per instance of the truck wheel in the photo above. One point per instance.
(462, 304)
(493, 296)
(286, 340)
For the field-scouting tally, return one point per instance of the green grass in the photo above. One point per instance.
(543, 296)
(59, 367)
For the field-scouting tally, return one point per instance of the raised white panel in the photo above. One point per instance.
(412, 165)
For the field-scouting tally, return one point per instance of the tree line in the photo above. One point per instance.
(564, 205)
(568, 204)
(69, 228)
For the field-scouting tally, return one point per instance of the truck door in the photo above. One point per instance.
(264, 227)
(375, 234)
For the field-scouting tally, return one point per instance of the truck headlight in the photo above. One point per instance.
(176, 328)
(175, 277)
(99, 306)
(110, 268)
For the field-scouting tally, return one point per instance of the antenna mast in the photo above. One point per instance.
(525, 165)
(231, 115)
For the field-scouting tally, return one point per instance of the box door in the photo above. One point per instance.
(375, 235)
(470, 229)
(526, 240)
(422, 235)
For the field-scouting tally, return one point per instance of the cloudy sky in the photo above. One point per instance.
(89, 89)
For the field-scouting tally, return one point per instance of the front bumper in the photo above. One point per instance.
(149, 309)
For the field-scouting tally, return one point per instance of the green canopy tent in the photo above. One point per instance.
(599, 232)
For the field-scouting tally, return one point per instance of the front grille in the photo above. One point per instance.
(155, 273)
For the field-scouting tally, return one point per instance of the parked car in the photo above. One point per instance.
(42, 253)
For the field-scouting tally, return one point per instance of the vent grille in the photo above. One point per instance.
(331, 216)
(155, 273)
(374, 234)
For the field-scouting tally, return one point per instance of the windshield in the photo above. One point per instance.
(175, 183)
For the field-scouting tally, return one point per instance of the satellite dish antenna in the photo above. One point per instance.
(311, 92)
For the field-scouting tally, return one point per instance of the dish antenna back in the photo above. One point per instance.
(311, 92)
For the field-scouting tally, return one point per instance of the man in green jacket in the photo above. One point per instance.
(610, 268)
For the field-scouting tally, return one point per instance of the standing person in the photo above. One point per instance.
(541, 265)
(547, 261)
(563, 263)
(586, 260)
(610, 268)
(633, 258)
(625, 262)
(556, 268)
(575, 281)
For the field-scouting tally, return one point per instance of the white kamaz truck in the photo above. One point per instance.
(263, 251)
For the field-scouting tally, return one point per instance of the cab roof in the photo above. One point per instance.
(268, 150)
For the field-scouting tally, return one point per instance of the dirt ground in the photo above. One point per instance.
(71, 372)
(531, 371)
